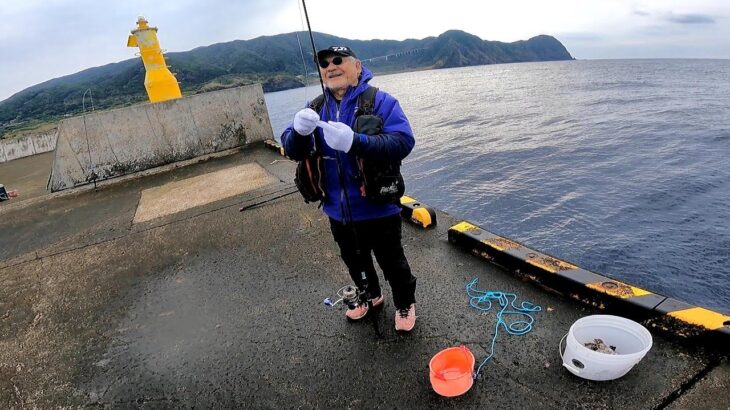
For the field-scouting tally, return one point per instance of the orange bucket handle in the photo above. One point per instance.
(468, 354)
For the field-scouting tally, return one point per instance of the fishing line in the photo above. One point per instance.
(301, 52)
(340, 167)
(482, 301)
(341, 171)
(314, 50)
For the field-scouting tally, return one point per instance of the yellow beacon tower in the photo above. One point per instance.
(161, 85)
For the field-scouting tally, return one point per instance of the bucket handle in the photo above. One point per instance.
(574, 369)
(464, 350)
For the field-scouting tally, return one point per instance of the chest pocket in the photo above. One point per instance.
(381, 181)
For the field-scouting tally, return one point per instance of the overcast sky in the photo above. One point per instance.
(45, 39)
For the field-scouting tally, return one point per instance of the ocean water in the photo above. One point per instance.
(619, 166)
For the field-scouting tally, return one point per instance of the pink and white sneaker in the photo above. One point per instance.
(362, 310)
(405, 319)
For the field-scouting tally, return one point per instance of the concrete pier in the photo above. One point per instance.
(215, 308)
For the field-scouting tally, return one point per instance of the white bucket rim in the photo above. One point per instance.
(636, 329)
(592, 365)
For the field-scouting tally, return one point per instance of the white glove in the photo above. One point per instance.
(337, 135)
(305, 121)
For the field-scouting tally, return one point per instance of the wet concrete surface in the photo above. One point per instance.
(212, 307)
(711, 390)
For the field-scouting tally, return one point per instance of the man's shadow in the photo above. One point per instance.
(376, 316)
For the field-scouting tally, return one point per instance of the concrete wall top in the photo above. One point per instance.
(15, 148)
(107, 144)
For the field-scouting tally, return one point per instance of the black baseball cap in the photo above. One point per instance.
(343, 51)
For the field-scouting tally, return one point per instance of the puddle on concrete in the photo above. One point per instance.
(178, 196)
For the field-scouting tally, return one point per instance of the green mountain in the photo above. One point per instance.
(275, 61)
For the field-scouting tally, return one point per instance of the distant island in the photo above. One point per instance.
(273, 61)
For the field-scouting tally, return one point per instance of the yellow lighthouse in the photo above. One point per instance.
(161, 85)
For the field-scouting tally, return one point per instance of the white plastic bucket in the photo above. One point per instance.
(632, 342)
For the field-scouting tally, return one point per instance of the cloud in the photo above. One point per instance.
(579, 36)
(690, 19)
(687, 18)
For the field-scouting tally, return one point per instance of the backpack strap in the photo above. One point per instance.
(317, 103)
(366, 101)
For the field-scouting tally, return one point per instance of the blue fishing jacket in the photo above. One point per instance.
(394, 143)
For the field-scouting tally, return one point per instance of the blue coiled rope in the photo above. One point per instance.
(482, 300)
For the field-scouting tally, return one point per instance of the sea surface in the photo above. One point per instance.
(619, 166)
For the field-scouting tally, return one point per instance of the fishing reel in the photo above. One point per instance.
(350, 296)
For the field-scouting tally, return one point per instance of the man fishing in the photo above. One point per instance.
(363, 212)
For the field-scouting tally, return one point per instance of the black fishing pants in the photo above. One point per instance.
(381, 237)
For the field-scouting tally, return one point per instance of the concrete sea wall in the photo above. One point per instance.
(26, 146)
(108, 144)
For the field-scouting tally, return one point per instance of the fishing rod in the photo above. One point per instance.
(340, 169)
(314, 50)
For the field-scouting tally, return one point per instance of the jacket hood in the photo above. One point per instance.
(367, 75)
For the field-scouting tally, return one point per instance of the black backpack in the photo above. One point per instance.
(381, 181)
(309, 177)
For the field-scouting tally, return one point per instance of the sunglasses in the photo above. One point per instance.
(336, 61)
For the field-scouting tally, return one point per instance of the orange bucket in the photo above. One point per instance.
(451, 371)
